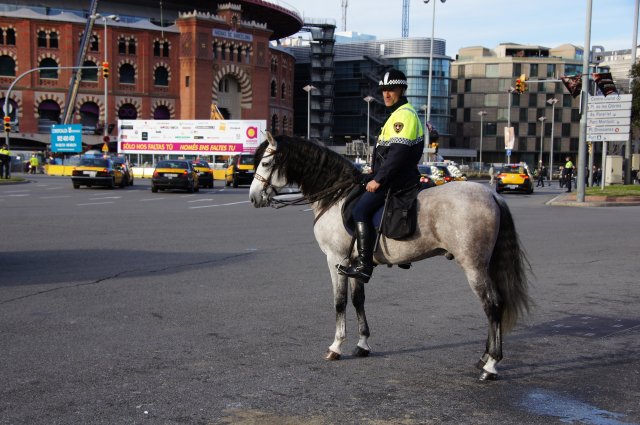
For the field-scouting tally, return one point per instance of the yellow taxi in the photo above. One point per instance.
(97, 171)
(205, 173)
(240, 170)
(175, 174)
(514, 177)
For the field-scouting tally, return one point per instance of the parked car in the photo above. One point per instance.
(126, 168)
(205, 173)
(430, 174)
(240, 170)
(514, 177)
(93, 171)
(175, 174)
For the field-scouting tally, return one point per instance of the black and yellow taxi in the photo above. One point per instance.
(125, 166)
(240, 170)
(205, 173)
(175, 174)
(98, 171)
(514, 177)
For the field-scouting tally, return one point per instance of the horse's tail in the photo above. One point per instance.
(508, 267)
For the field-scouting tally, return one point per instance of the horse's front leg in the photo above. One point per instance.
(340, 302)
(357, 298)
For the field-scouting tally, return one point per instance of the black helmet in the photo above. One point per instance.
(393, 78)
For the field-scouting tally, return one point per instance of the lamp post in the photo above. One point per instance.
(115, 18)
(552, 102)
(433, 29)
(308, 89)
(427, 135)
(541, 119)
(507, 134)
(481, 114)
(368, 99)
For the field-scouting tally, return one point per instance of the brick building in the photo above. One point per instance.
(171, 62)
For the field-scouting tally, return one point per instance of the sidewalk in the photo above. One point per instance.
(569, 200)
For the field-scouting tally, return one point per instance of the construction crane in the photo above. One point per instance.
(405, 18)
(215, 112)
(345, 3)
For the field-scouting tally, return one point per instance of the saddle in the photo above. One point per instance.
(355, 194)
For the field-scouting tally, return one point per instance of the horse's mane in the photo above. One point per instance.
(315, 168)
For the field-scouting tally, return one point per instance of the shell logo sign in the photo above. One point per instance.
(252, 132)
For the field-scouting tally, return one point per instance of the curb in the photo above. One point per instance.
(566, 200)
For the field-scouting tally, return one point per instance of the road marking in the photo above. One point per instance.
(20, 194)
(220, 205)
(202, 200)
(94, 203)
(55, 197)
(151, 199)
(106, 197)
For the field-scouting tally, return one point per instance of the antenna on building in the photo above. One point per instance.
(161, 22)
(405, 18)
(345, 3)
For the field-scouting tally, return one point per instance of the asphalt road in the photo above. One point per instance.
(125, 307)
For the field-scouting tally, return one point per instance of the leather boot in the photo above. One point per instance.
(362, 267)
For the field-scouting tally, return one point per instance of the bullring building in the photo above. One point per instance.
(167, 60)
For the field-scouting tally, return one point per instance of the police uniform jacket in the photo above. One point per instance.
(399, 148)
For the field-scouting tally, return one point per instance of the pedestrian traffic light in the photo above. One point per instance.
(7, 124)
(105, 69)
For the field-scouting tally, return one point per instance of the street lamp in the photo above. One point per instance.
(481, 114)
(552, 102)
(427, 135)
(507, 133)
(308, 89)
(104, 18)
(433, 29)
(368, 99)
(541, 119)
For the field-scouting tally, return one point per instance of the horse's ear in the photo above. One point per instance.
(270, 139)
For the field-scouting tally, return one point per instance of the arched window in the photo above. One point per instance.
(89, 116)
(165, 49)
(89, 74)
(42, 39)
(132, 46)
(11, 37)
(13, 108)
(53, 40)
(284, 125)
(127, 112)
(94, 44)
(7, 66)
(48, 112)
(161, 76)
(161, 113)
(122, 46)
(48, 73)
(127, 74)
(156, 48)
(223, 52)
(282, 91)
(1, 36)
(274, 124)
(274, 88)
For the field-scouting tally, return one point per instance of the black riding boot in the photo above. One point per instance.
(362, 267)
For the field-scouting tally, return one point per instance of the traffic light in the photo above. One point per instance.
(523, 83)
(435, 147)
(105, 69)
(590, 147)
(7, 124)
(519, 86)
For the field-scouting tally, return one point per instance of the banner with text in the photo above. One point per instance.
(190, 137)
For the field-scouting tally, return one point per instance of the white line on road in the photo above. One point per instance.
(151, 199)
(106, 197)
(202, 200)
(220, 205)
(55, 197)
(94, 203)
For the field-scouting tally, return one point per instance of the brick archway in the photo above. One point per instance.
(246, 100)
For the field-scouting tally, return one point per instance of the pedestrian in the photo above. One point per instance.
(561, 178)
(568, 173)
(34, 162)
(541, 171)
(597, 177)
(5, 162)
(394, 166)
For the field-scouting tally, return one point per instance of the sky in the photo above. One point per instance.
(464, 23)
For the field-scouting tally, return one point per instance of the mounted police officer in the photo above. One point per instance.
(394, 166)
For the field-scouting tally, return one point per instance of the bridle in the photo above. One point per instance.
(267, 187)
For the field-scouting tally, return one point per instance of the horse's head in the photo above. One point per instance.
(268, 179)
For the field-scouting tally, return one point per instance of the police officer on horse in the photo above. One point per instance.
(394, 167)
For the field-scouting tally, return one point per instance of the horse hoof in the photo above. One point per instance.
(360, 352)
(488, 376)
(331, 355)
(480, 364)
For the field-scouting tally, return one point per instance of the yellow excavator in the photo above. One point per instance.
(215, 112)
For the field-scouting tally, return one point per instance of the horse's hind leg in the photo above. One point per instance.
(340, 297)
(483, 286)
(357, 298)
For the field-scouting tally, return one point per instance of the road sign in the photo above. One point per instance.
(612, 98)
(620, 106)
(608, 129)
(66, 138)
(625, 113)
(508, 152)
(623, 137)
(610, 121)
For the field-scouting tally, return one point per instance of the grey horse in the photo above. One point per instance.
(464, 221)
